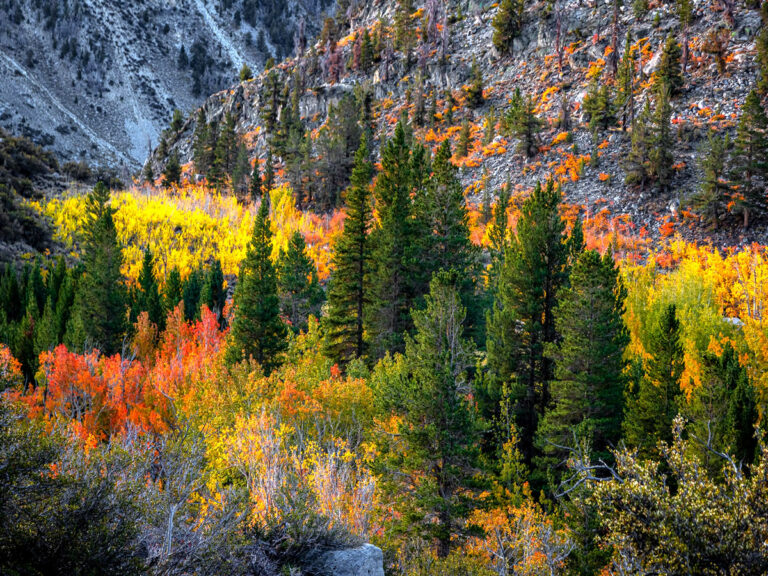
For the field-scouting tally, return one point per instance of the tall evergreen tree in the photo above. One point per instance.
(522, 320)
(524, 124)
(637, 164)
(212, 292)
(191, 294)
(173, 291)
(147, 297)
(651, 408)
(722, 409)
(257, 330)
(625, 84)
(437, 434)
(255, 186)
(507, 24)
(298, 286)
(670, 72)
(172, 170)
(474, 91)
(587, 389)
(101, 300)
(711, 201)
(662, 142)
(750, 157)
(391, 281)
(349, 293)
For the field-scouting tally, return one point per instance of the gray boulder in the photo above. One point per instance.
(367, 560)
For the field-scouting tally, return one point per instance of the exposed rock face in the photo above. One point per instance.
(99, 80)
(367, 560)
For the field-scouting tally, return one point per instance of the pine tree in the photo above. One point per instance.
(507, 24)
(173, 291)
(662, 141)
(268, 182)
(191, 294)
(599, 107)
(391, 279)
(257, 330)
(465, 136)
(348, 292)
(651, 408)
(177, 121)
(474, 91)
(437, 431)
(245, 73)
(524, 124)
(587, 389)
(670, 72)
(762, 60)
(172, 170)
(722, 409)
(499, 237)
(212, 293)
(625, 83)
(101, 301)
(147, 298)
(522, 321)
(298, 286)
(225, 152)
(450, 248)
(750, 157)
(637, 163)
(204, 143)
(711, 201)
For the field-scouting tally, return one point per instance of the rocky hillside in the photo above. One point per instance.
(98, 80)
(563, 50)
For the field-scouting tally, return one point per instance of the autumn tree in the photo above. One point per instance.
(257, 330)
(349, 292)
(586, 393)
(507, 24)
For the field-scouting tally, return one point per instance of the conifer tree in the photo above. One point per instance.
(587, 389)
(507, 24)
(255, 186)
(524, 123)
(711, 201)
(438, 429)
(172, 170)
(750, 157)
(173, 291)
(257, 330)
(268, 182)
(660, 156)
(204, 144)
(762, 60)
(191, 294)
(348, 292)
(298, 286)
(225, 152)
(670, 72)
(147, 298)
(722, 409)
(465, 136)
(598, 104)
(522, 321)
(212, 292)
(450, 247)
(392, 279)
(499, 237)
(101, 301)
(637, 163)
(474, 91)
(625, 84)
(651, 408)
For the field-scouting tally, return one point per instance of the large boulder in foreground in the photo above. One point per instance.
(367, 560)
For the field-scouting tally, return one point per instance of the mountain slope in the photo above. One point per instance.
(561, 51)
(99, 80)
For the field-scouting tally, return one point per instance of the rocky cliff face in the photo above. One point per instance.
(98, 80)
(563, 46)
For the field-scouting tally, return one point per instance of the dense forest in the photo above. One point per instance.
(315, 334)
